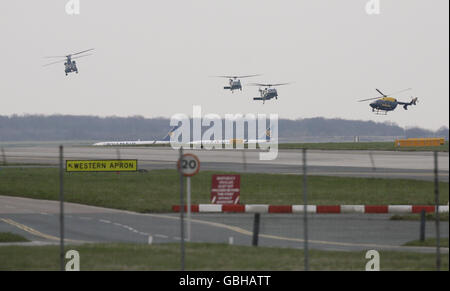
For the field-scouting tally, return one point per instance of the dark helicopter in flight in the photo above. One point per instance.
(69, 63)
(385, 103)
(234, 83)
(268, 92)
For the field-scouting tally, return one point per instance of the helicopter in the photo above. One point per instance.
(234, 82)
(268, 92)
(69, 63)
(385, 103)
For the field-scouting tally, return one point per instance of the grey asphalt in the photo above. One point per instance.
(38, 220)
(377, 164)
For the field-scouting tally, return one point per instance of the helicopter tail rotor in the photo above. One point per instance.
(414, 101)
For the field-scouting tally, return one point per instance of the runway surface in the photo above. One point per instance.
(378, 164)
(38, 220)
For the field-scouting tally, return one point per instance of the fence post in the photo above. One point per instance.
(181, 212)
(5, 163)
(244, 160)
(118, 153)
(437, 218)
(372, 161)
(422, 225)
(305, 214)
(256, 229)
(61, 208)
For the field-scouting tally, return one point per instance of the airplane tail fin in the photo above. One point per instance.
(266, 135)
(169, 134)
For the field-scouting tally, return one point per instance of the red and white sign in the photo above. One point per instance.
(189, 165)
(226, 189)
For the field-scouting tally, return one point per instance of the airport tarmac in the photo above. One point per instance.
(38, 220)
(377, 164)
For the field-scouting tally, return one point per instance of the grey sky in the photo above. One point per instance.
(154, 58)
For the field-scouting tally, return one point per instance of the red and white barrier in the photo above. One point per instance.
(265, 208)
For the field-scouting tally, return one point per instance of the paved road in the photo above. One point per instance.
(384, 164)
(38, 220)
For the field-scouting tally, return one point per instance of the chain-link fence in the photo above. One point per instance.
(356, 201)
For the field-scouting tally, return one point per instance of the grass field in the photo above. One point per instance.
(376, 146)
(11, 237)
(201, 256)
(430, 242)
(158, 190)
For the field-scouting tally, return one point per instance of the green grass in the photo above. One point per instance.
(6, 237)
(430, 242)
(380, 146)
(375, 146)
(202, 256)
(416, 217)
(158, 190)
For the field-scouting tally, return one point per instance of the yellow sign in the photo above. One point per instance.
(101, 165)
(419, 142)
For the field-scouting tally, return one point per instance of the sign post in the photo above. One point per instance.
(189, 165)
(61, 207)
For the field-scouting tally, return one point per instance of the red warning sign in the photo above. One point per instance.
(226, 189)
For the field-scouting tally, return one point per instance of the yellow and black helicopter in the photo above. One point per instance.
(385, 103)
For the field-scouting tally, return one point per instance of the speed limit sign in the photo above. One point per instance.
(189, 165)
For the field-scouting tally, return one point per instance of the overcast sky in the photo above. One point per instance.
(155, 58)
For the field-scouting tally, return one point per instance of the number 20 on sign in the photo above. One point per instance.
(189, 165)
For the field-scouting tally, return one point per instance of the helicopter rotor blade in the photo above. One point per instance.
(81, 56)
(238, 77)
(81, 52)
(369, 99)
(384, 95)
(247, 76)
(401, 91)
(52, 63)
(381, 93)
(268, 85)
(60, 61)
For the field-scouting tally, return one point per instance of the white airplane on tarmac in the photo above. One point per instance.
(264, 139)
(164, 141)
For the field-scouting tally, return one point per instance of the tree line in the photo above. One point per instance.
(94, 128)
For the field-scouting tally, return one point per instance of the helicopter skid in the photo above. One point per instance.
(381, 113)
